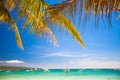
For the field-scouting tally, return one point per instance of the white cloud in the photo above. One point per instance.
(12, 62)
(60, 54)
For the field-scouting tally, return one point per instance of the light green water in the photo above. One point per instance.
(59, 74)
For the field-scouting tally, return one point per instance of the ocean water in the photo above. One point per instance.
(59, 74)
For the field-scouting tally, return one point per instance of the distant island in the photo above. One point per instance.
(15, 68)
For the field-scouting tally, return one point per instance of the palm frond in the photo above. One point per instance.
(39, 14)
(10, 4)
(54, 16)
(63, 21)
(98, 8)
(6, 18)
(34, 16)
(17, 34)
(39, 26)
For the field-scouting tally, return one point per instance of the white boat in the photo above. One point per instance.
(8, 71)
(31, 69)
(66, 70)
(35, 69)
(27, 70)
(46, 70)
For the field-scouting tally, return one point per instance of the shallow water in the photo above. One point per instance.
(59, 74)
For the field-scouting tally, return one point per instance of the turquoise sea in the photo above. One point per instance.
(59, 74)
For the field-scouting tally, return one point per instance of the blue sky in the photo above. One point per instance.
(102, 48)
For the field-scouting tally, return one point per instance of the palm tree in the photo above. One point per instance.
(40, 15)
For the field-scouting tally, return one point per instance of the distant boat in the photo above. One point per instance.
(27, 70)
(31, 69)
(8, 71)
(66, 70)
(35, 69)
(46, 70)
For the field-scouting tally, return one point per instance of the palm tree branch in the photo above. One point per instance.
(54, 16)
(5, 17)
